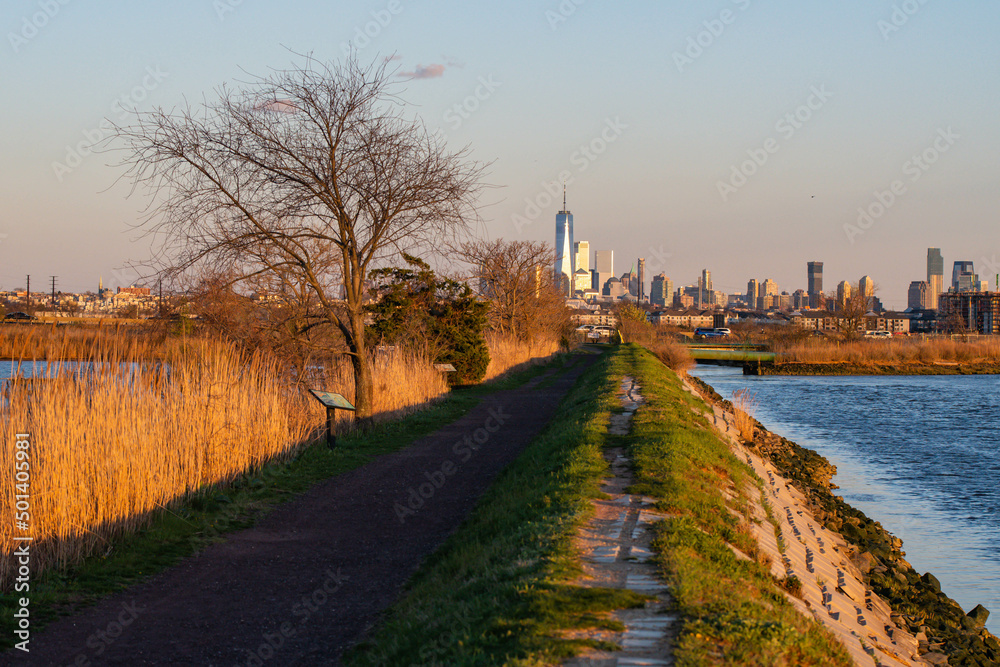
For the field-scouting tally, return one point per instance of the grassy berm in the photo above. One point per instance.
(918, 600)
(503, 589)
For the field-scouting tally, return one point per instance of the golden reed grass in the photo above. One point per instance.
(113, 444)
(905, 350)
(744, 407)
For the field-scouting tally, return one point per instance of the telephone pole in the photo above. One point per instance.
(27, 294)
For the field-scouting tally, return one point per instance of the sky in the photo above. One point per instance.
(738, 136)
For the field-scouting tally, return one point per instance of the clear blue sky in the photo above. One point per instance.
(675, 119)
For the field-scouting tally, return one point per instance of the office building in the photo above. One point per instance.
(753, 292)
(661, 291)
(641, 294)
(564, 269)
(604, 266)
(918, 295)
(935, 276)
(800, 299)
(815, 284)
(706, 295)
(866, 287)
(963, 277)
(843, 294)
(582, 255)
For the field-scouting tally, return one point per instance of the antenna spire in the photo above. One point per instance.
(564, 195)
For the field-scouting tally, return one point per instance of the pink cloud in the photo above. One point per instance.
(430, 72)
(278, 106)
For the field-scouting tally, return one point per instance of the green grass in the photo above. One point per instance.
(208, 515)
(497, 591)
(733, 612)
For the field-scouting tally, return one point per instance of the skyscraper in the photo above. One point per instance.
(918, 296)
(582, 255)
(815, 284)
(604, 266)
(641, 296)
(564, 269)
(753, 291)
(935, 276)
(843, 294)
(660, 294)
(963, 277)
(707, 297)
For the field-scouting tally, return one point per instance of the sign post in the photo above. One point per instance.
(332, 402)
(445, 369)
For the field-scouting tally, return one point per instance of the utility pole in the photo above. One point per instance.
(27, 294)
(53, 290)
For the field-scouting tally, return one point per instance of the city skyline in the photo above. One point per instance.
(790, 132)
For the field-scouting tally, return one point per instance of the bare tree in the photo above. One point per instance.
(311, 176)
(852, 312)
(517, 279)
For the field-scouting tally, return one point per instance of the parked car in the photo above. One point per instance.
(19, 316)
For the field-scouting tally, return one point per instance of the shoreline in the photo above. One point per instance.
(934, 624)
(858, 368)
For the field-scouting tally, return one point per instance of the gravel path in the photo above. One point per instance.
(313, 576)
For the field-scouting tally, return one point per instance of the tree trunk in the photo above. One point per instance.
(364, 386)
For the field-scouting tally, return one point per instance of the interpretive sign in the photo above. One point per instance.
(332, 402)
(445, 368)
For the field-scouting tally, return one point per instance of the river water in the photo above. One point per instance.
(919, 454)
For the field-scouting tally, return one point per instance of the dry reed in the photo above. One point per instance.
(744, 407)
(509, 354)
(894, 351)
(111, 444)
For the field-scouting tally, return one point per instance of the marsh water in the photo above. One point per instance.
(919, 454)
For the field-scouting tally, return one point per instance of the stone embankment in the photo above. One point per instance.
(915, 606)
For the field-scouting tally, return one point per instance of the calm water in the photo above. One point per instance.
(921, 455)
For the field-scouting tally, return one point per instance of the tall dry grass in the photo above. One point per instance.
(85, 342)
(509, 354)
(112, 444)
(674, 356)
(905, 350)
(744, 407)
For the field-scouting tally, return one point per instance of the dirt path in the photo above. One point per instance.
(315, 574)
(615, 545)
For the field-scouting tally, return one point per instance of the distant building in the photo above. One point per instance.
(661, 291)
(706, 287)
(935, 276)
(630, 282)
(800, 299)
(866, 287)
(979, 311)
(613, 289)
(963, 277)
(134, 291)
(581, 281)
(918, 296)
(582, 255)
(843, 294)
(564, 269)
(604, 265)
(753, 291)
(815, 270)
(641, 294)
